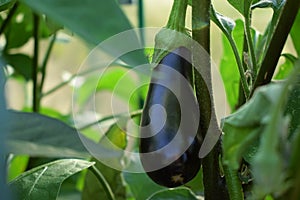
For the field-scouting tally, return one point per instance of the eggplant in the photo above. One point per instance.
(169, 144)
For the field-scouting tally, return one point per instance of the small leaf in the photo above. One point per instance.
(174, 194)
(21, 22)
(21, 63)
(274, 4)
(17, 165)
(44, 182)
(285, 69)
(224, 23)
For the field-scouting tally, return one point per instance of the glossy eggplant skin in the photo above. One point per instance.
(169, 147)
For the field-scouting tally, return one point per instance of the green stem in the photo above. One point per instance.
(131, 115)
(177, 16)
(141, 20)
(60, 85)
(110, 195)
(277, 42)
(45, 61)
(234, 185)
(250, 44)
(9, 17)
(240, 66)
(35, 100)
(213, 189)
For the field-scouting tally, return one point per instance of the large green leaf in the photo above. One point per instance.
(174, 194)
(244, 126)
(44, 182)
(38, 135)
(94, 21)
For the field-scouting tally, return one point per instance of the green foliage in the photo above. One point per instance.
(43, 136)
(260, 145)
(43, 182)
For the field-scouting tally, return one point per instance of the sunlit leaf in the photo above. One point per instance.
(44, 182)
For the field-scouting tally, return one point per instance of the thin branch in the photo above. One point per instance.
(278, 40)
(110, 195)
(35, 100)
(45, 62)
(131, 115)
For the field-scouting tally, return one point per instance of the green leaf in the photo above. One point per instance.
(94, 21)
(295, 34)
(21, 63)
(137, 183)
(44, 182)
(228, 67)
(174, 194)
(224, 23)
(293, 108)
(115, 80)
(243, 127)
(285, 69)
(17, 165)
(21, 22)
(274, 4)
(38, 135)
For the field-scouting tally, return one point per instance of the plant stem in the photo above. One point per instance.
(203, 86)
(68, 81)
(177, 16)
(234, 185)
(250, 44)
(131, 115)
(45, 61)
(35, 68)
(279, 37)
(110, 195)
(240, 67)
(141, 20)
(9, 17)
